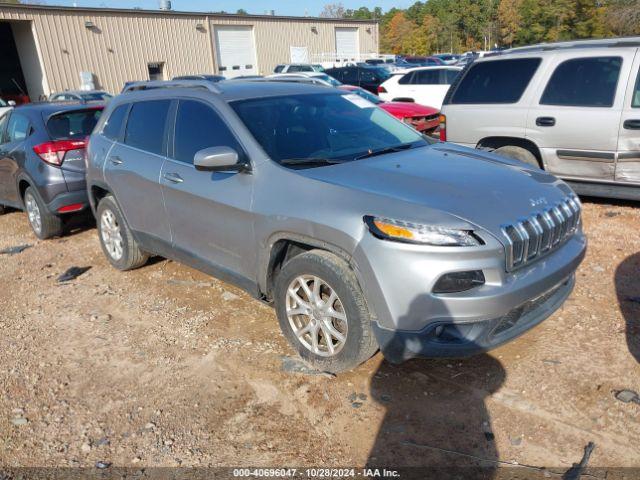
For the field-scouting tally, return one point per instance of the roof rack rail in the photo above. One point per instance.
(156, 84)
(574, 44)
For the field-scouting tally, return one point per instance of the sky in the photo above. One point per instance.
(281, 7)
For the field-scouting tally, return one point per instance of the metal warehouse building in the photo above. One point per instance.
(46, 48)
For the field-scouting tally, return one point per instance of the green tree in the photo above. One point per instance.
(509, 20)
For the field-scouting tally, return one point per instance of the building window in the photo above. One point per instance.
(156, 70)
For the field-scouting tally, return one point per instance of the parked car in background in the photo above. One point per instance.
(381, 238)
(245, 77)
(367, 77)
(423, 61)
(317, 77)
(571, 108)
(423, 119)
(42, 167)
(80, 96)
(298, 67)
(210, 78)
(425, 85)
(6, 106)
(448, 58)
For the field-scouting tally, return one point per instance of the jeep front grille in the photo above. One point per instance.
(540, 233)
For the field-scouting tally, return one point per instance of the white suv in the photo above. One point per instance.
(424, 85)
(571, 108)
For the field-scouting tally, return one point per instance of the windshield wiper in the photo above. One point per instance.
(309, 161)
(384, 151)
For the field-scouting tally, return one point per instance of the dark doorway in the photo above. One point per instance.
(12, 83)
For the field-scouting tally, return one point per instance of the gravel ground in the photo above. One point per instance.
(164, 366)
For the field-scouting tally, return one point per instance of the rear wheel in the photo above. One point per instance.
(323, 313)
(43, 223)
(116, 240)
(518, 153)
(3, 210)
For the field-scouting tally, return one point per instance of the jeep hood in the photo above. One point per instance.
(480, 188)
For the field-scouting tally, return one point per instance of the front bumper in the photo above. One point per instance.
(449, 339)
(398, 280)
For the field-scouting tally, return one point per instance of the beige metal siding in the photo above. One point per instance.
(274, 37)
(123, 42)
(118, 48)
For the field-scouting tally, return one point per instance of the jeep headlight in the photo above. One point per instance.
(408, 232)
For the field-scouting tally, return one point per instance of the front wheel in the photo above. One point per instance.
(323, 313)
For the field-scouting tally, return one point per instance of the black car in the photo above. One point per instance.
(42, 168)
(368, 78)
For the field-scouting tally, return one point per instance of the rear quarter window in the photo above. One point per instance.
(73, 124)
(113, 125)
(497, 81)
(583, 82)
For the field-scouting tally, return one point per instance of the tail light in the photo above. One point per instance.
(54, 152)
(381, 89)
(443, 128)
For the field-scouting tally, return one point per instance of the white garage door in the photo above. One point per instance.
(347, 45)
(236, 50)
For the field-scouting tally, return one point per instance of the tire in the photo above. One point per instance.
(116, 240)
(332, 274)
(3, 210)
(518, 153)
(43, 223)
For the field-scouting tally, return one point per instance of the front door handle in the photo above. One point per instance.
(545, 121)
(115, 160)
(173, 178)
(631, 124)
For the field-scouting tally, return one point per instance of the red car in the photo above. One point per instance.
(423, 119)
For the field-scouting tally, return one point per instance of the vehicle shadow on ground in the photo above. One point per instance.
(627, 280)
(78, 223)
(436, 417)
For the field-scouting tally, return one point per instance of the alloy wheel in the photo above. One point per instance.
(111, 234)
(33, 212)
(316, 315)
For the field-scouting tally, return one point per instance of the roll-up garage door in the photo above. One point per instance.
(236, 50)
(347, 45)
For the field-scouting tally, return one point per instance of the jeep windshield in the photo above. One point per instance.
(324, 129)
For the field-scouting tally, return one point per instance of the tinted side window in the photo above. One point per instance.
(278, 69)
(635, 102)
(18, 128)
(499, 81)
(451, 75)
(583, 82)
(113, 125)
(198, 126)
(407, 78)
(145, 127)
(427, 77)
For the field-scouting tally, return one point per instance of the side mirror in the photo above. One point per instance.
(219, 159)
(11, 103)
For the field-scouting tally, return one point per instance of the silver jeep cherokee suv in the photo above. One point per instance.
(364, 234)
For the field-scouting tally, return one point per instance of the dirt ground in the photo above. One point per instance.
(164, 366)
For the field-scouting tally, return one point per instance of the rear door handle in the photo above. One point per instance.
(631, 124)
(545, 121)
(173, 178)
(115, 160)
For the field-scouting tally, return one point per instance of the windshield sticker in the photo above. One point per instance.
(359, 101)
